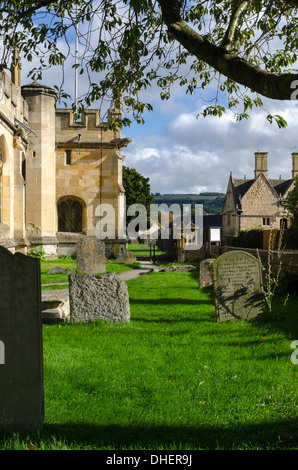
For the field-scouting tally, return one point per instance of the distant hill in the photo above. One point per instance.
(212, 202)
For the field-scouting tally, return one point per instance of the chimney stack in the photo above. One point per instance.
(294, 165)
(261, 164)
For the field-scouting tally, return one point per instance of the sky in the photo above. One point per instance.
(181, 154)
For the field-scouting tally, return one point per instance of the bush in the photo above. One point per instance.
(288, 284)
(291, 239)
(249, 239)
(37, 253)
(67, 257)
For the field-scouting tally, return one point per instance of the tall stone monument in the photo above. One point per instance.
(21, 364)
(91, 256)
(237, 279)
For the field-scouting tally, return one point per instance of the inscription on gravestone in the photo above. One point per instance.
(237, 279)
(21, 371)
(91, 255)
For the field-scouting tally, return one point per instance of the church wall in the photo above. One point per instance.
(89, 169)
(13, 151)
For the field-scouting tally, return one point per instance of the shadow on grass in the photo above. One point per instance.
(283, 320)
(280, 434)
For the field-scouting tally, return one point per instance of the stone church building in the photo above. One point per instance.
(256, 203)
(55, 171)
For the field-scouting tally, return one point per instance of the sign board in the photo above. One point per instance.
(215, 234)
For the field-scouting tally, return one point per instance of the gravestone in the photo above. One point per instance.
(205, 279)
(126, 257)
(21, 372)
(98, 296)
(60, 270)
(237, 279)
(91, 255)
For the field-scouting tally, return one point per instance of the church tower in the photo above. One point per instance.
(41, 219)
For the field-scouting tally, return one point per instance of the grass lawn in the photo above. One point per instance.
(111, 266)
(172, 378)
(144, 250)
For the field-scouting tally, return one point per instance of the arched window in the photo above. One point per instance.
(70, 216)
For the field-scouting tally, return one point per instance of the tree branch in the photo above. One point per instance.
(278, 87)
(235, 16)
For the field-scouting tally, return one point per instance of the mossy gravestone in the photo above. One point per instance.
(237, 280)
(205, 279)
(91, 255)
(21, 367)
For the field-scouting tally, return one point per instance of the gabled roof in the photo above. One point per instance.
(241, 186)
(281, 186)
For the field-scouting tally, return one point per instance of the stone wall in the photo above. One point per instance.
(198, 255)
(13, 154)
(289, 258)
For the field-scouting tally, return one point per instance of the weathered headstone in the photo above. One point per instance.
(98, 296)
(60, 270)
(126, 257)
(237, 279)
(21, 372)
(91, 255)
(205, 279)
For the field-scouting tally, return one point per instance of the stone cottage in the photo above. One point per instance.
(55, 171)
(257, 202)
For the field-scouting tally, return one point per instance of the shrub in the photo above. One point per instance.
(37, 252)
(69, 257)
(291, 239)
(249, 239)
(288, 284)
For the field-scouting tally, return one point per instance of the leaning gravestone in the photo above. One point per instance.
(98, 296)
(91, 255)
(205, 279)
(237, 279)
(21, 371)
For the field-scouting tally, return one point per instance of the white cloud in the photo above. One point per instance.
(190, 155)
